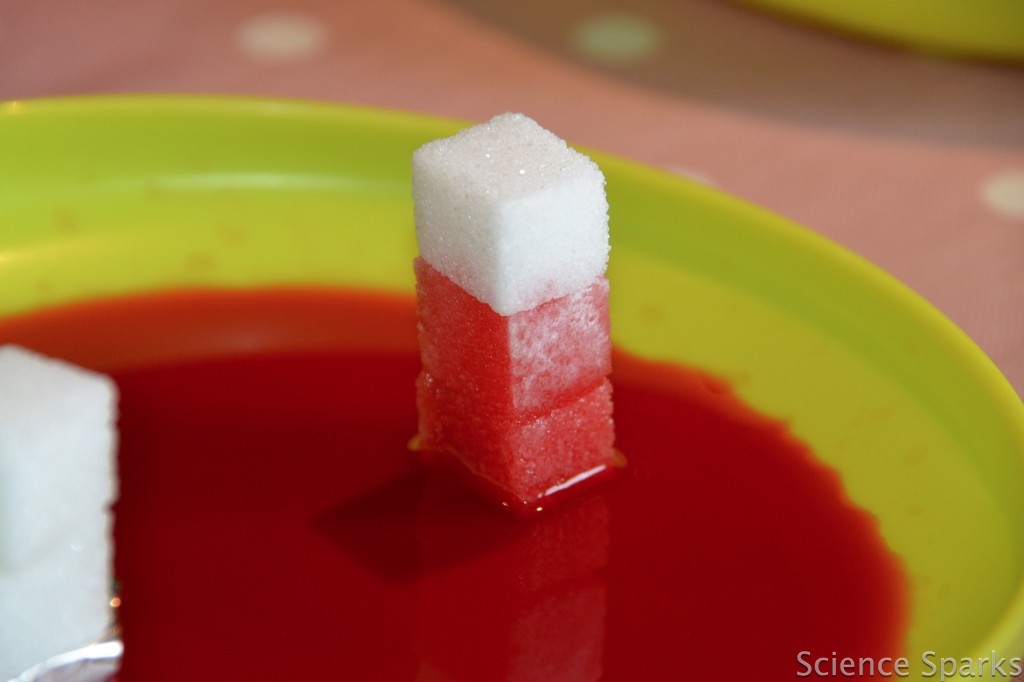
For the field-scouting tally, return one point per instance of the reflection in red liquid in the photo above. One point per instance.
(272, 524)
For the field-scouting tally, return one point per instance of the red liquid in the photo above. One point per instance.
(273, 525)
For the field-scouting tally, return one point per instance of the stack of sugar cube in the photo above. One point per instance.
(512, 302)
(57, 481)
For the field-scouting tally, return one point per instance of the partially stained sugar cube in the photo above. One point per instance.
(512, 301)
(57, 482)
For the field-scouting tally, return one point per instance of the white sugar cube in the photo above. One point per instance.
(57, 482)
(510, 213)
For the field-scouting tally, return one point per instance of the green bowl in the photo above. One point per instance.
(106, 196)
(981, 29)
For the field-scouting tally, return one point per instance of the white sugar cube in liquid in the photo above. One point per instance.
(57, 481)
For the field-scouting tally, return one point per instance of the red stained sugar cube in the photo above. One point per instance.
(531, 361)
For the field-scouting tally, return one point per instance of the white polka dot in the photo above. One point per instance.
(1005, 193)
(692, 174)
(281, 37)
(616, 38)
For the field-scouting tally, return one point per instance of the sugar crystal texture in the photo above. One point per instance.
(57, 481)
(510, 213)
(528, 361)
(512, 305)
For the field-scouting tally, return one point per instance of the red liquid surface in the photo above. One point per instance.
(273, 524)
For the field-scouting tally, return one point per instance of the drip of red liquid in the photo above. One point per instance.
(273, 525)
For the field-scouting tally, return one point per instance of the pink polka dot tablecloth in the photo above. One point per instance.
(915, 162)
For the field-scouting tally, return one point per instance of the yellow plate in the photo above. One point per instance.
(984, 29)
(105, 196)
